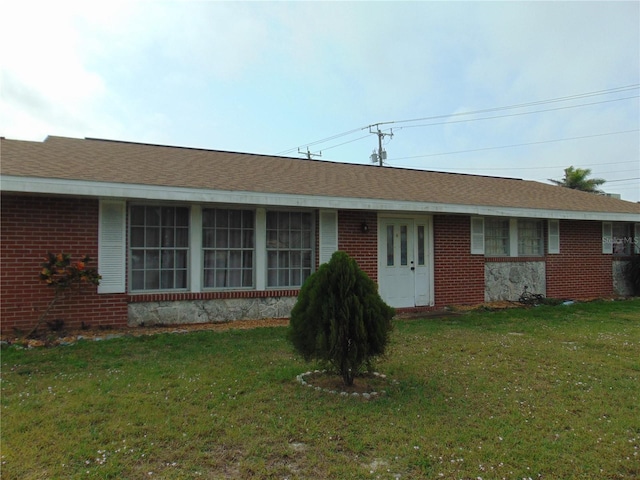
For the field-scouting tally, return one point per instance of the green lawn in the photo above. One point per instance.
(547, 392)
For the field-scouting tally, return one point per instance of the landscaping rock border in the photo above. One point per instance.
(365, 395)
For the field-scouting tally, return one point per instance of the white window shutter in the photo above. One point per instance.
(112, 246)
(607, 237)
(554, 236)
(328, 234)
(477, 235)
(636, 237)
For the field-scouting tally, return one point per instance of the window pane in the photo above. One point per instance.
(137, 216)
(152, 237)
(181, 279)
(166, 279)
(421, 247)
(403, 245)
(137, 236)
(167, 237)
(235, 238)
(137, 280)
(167, 259)
(182, 237)
(152, 280)
(182, 217)
(137, 259)
(222, 219)
(390, 248)
(152, 260)
(152, 217)
(168, 215)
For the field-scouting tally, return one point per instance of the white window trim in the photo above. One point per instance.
(478, 238)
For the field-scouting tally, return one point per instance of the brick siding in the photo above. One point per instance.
(580, 270)
(458, 275)
(31, 227)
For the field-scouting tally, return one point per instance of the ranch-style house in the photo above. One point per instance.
(185, 235)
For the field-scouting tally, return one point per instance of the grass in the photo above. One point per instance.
(546, 392)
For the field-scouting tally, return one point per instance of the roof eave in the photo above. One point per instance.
(53, 186)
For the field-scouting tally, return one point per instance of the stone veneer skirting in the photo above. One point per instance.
(505, 280)
(208, 311)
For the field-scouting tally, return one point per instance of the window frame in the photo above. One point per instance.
(288, 252)
(242, 229)
(151, 246)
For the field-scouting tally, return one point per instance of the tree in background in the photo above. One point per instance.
(576, 178)
(340, 319)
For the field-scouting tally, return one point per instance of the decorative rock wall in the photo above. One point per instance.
(621, 285)
(506, 280)
(208, 311)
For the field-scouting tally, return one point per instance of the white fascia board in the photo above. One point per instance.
(55, 186)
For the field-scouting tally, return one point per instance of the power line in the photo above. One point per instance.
(520, 113)
(475, 112)
(516, 145)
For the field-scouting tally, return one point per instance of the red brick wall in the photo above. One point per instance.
(361, 246)
(31, 227)
(581, 270)
(458, 275)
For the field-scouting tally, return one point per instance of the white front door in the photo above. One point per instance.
(404, 262)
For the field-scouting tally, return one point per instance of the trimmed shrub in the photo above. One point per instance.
(340, 319)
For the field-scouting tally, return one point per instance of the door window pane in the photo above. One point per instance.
(421, 246)
(403, 245)
(390, 246)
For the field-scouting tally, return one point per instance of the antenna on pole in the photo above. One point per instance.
(381, 155)
(309, 154)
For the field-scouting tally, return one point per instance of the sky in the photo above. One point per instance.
(511, 89)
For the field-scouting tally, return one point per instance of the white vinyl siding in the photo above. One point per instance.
(112, 246)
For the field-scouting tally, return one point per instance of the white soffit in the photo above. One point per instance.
(161, 193)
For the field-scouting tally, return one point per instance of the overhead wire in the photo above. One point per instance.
(515, 145)
(609, 91)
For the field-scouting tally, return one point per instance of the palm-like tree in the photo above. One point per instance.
(576, 178)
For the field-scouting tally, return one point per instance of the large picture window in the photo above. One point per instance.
(289, 248)
(159, 247)
(228, 242)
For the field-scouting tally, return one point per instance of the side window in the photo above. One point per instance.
(159, 247)
(496, 237)
(530, 237)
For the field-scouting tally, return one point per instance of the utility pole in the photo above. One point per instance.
(309, 154)
(382, 154)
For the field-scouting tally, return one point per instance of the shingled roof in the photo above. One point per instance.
(125, 163)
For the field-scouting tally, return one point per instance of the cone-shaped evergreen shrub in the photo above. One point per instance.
(340, 319)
